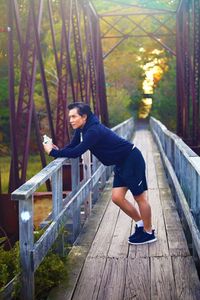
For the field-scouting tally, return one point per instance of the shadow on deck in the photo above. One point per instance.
(104, 266)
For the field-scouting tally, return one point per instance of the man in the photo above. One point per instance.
(110, 149)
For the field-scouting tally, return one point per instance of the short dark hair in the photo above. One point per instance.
(82, 108)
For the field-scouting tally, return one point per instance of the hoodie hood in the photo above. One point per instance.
(92, 120)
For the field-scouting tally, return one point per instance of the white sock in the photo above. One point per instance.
(139, 223)
(148, 232)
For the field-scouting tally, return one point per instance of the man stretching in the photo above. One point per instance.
(110, 149)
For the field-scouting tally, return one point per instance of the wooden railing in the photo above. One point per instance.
(31, 254)
(183, 171)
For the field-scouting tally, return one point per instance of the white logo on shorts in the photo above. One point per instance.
(140, 183)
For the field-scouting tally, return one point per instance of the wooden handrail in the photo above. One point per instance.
(183, 171)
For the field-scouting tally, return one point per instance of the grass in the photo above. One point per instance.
(34, 166)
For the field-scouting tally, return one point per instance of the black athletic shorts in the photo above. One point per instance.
(131, 173)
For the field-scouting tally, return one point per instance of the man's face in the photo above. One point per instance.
(75, 119)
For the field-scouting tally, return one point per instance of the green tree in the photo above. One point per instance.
(164, 99)
(119, 101)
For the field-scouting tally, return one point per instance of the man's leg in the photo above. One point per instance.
(145, 210)
(118, 197)
(147, 235)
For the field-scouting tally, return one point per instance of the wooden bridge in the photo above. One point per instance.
(103, 265)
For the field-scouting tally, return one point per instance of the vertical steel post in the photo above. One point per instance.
(53, 34)
(26, 90)
(196, 107)
(91, 58)
(181, 71)
(78, 50)
(43, 76)
(14, 175)
(186, 70)
(65, 78)
(99, 67)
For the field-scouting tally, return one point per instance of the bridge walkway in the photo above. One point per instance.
(104, 266)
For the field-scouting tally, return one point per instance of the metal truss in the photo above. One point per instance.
(115, 28)
(83, 81)
(79, 69)
(186, 41)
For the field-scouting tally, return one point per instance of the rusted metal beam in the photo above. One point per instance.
(140, 6)
(99, 66)
(44, 85)
(188, 72)
(118, 14)
(196, 70)
(25, 101)
(115, 46)
(65, 77)
(78, 50)
(14, 174)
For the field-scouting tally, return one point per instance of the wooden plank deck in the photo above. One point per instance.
(104, 266)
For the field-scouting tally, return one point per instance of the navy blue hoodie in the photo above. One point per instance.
(106, 145)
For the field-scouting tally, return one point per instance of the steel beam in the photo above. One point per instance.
(65, 77)
(78, 50)
(99, 66)
(188, 72)
(25, 101)
(14, 174)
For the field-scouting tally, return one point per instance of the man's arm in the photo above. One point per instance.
(91, 137)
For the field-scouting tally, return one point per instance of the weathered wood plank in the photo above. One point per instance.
(101, 244)
(166, 199)
(119, 242)
(26, 245)
(176, 238)
(73, 222)
(151, 172)
(160, 172)
(113, 280)
(186, 278)
(162, 279)
(90, 279)
(137, 284)
(159, 248)
(57, 194)
(87, 174)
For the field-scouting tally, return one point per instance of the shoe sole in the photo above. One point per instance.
(147, 242)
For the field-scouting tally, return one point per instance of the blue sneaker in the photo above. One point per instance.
(138, 230)
(143, 238)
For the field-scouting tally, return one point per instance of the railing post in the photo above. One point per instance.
(87, 175)
(57, 193)
(95, 191)
(73, 224)
(103, 180)
(57, 198)
(26, 242)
